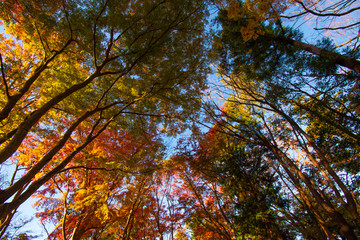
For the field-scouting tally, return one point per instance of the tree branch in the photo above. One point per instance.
(4, 78)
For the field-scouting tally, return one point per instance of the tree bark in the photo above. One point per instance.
(337, 58)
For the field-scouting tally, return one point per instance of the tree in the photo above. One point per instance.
(252, 20)
(335, 19)
(89, 196)
(235, 193)
(310, 176)
(280, 96)
(91, 65)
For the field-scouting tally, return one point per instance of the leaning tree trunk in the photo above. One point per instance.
(337, 58)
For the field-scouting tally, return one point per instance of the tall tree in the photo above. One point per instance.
(231, 191)
(72, 65)
(299, 106)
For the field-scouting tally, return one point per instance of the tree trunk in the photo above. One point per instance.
(337, 58)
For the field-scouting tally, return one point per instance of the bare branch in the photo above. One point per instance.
(338, 28)
(334, 14)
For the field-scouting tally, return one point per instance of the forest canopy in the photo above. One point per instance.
(94, 94)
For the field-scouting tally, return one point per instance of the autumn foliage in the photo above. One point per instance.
(109, 121)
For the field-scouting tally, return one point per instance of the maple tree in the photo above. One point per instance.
(71, 65)
(101, 187)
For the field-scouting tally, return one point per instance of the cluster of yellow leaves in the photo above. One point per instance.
(237, 105)
(13, 55)
(256, 11)
(93, 199)
(262, 10)
(28, 33)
